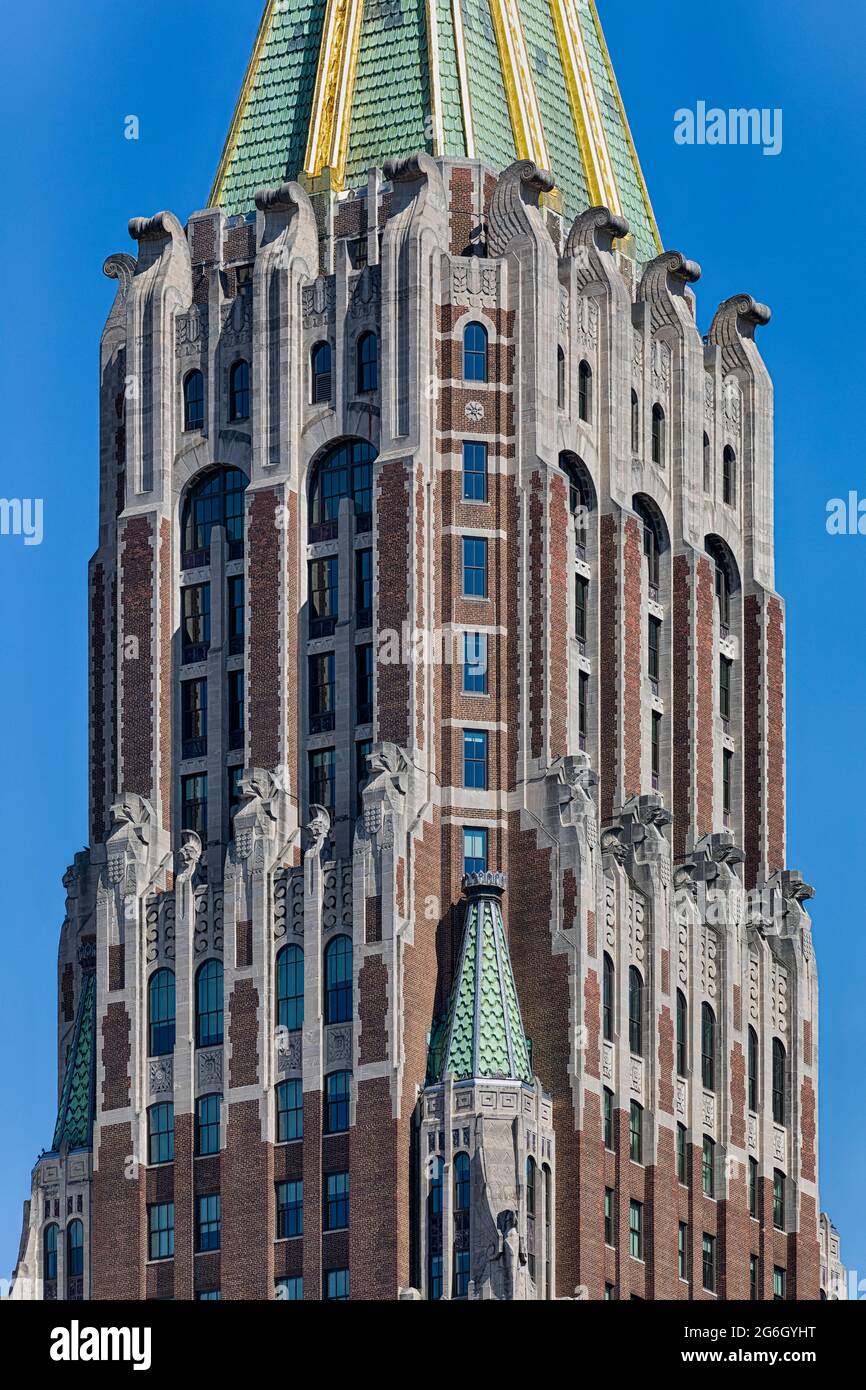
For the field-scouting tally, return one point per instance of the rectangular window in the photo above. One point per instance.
(474, 850)
(193, 803)
(683, 1250)
(160, 1226)
(235, 614)
(324, 596)
(635, 1132)
(322, 778)
(725, 687)
(474, 567)
(362, 771)
(336, 1201)
(754, 1278)
(581, 595)
(609, 1226)
(475, 758)
(753, 1187)
(336, 1285)
(322, 680)
(290, 1290)
(608, 1119)
(474, 471)
(363, 588)
(290, 1112)
(609, 1291)
(364, 683)
(207, 1226)
(635, 1230)
(656, 748)
(195, 622)
(582, 705)
(654, 630)
(207, 1124)
(236, 709)
(778, 1199)
(780, 1283)
(475, 663)
(234, 775)
(193, 718)
(727, 776)
(208, 1296)
(290, 1210)
(709, 1262)
(708, 1167)
(160, 1133)
(682, 1155)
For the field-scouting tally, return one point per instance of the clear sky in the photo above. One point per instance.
(788, 228)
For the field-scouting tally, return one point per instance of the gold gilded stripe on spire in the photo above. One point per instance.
(463, 78)
(585, 110)
(328, 140)
(241, 105)
(523, 109)
(437, 133)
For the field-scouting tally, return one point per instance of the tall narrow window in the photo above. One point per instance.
(160, 1133)
(474, 352)
(336, 1285)
(778, 1199)
(207, 1124)
(195, 622)
(635, 1011)
(324, 596)
(729, 476)
(474, 471)
(708, 1048)
(475, 663)
(434, 1230)
(236, 614)
(708, 1167)
(658, 435)
(239, 391)
(654, 632)
(753, 1187)
(727, 781)
(193, 803)
(725, 665)
(193, 718)
(368, 363)
(584, 391)
(635, 423)
(683, 1250)
(193, 401)
(474, 850)
(363, 749)
(656, 748)
(753, 1069)
(635, 1132)
(635, 1229)
(74, 1249)
(608, 1119)
(607, 1014)
(609, 1217)
(290, 1111)
(321, 767)
(290, 1210)
(582, 707)
(209, 1005)
(49, 1253)
(560, 378)
(161, 1013)
(336, 1201)
(338, 980)
(707, 464)
(682, 1155)
(160, 1230)
(461, 1226)
(364, 683)
(682, 1034)
(779, 1078)
(709, 1262)
(474, 567)
(723, 598)
(338, 1091)
(581, 594)
(475, 758)
(321, 671)
(363, 587)
(207, 1229)
(320, 374)
(754, 1278)
(780, 1283)
(236, 709)
(531, 1173)
(290, 988)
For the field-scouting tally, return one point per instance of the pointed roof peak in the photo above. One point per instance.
(74, 1125)
(336, 87)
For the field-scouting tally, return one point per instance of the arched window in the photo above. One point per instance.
(338, 980)
(654, 540)
(560, 378)
(682, 1034)
(320, 374)
(193, 401)
(729, 476)
(338, 1089)
(161, 1013)
(581, 498)
(461, 1226)
(708, 1048)
(215, 499)
(239, 390)
(584, 391)
(49, 1253)
(474, 352)
(290, 988)
(707, 461)
(658, 435)
(607, 1011)
(635, 423)
(368, 362)
(74, 1249)
(635, 1011)
(753, 1069)
(345, 471)
(727, 579)
(779, 1080)
(209, 1004)
(434, 1230)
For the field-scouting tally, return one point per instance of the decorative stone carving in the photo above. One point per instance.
(474, 410)
(661, 365)
(779, 998)
(753, 1133)
(709, 397)
(318, 300)
(288, 1051)
(754, 987)
(733, 406)
(338, 1044)
(586, 320)
(191, 331)
(337, 896)
(637, 927)
(514, 210)
(681, 1098)
(637, 1076)
(709, 1110)
(237, 318)
(364, 299)
(709, 963)
(475, 284)
(161, 1075)
(607, 1062)
(563, 311)
(778, 1143)
(209, 1069)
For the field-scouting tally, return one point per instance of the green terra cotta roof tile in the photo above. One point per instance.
(75, 1113)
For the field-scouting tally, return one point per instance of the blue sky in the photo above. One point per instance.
(788, 229)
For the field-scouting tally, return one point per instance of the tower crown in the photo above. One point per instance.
(335, 88)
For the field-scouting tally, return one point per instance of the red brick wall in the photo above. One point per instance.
(136, 715)
(263, 641)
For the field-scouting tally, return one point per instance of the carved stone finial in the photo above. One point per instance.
(121, 267)
(595, 227)
(737, 318)
(484, 884)
(319, 827)
(190, 852)
(514, 210)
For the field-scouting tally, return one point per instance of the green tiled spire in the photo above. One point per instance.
(75, 1114)
(336, 87)
(483, 1035)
